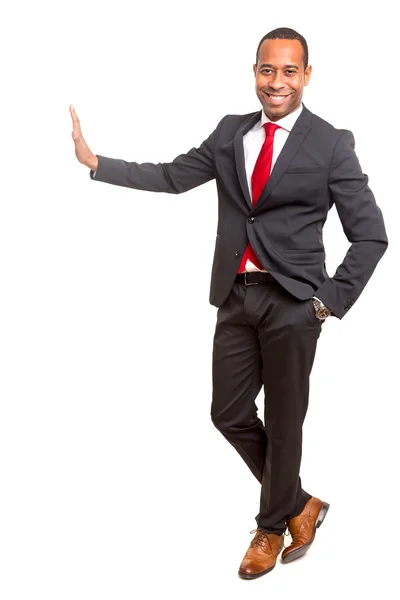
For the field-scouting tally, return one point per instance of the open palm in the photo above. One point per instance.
(82, 150)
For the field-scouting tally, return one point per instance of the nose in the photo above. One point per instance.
(276, 82)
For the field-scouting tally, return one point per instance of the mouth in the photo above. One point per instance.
(276, 99)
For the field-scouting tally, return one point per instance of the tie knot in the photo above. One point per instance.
(270, 128)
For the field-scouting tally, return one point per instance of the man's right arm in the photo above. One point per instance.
(185, 172)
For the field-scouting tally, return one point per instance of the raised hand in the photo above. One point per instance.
(82, 150)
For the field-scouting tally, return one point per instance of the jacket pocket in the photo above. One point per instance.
(312, 169)
(305, 257)
(304, 250)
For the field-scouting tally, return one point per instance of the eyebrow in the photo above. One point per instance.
(285, 67)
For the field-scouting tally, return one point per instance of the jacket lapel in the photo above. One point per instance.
(289, 150)
(239, 153)
(295, 139)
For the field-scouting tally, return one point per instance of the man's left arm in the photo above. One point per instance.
(362, 224)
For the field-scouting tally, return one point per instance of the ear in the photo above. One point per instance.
(254, 69)
(307, 74)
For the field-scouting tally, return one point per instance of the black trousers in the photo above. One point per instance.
(265, 336)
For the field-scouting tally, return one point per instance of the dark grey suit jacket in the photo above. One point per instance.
(316, 169)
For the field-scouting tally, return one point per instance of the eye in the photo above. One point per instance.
(266, 71)
(290, 71)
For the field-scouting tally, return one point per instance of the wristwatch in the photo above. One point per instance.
(321, 311)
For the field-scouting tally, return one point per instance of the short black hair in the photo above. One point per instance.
(285, 33)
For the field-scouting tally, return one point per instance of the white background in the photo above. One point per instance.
(114, 484)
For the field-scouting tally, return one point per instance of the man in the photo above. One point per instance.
(278, 172)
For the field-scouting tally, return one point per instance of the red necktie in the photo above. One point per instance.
(259, 180)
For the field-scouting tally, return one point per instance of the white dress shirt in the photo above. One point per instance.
(252, 143)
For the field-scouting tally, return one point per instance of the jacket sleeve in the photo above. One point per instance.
(185, 172)
(362, 224)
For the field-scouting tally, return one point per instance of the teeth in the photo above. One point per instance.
(276, 97)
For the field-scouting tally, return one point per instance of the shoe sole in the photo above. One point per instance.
(294, 554)
(246, 576)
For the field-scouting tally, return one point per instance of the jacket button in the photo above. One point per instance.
(237, 253)
(250, 220)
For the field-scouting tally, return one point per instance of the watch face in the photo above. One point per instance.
(323, 312)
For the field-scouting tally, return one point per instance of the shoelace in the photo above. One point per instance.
(286, 532)
(260, 539)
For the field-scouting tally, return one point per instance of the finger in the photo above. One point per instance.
(75, 120)
(73, 113)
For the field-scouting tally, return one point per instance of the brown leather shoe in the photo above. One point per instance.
(302, 528)
(261, 556)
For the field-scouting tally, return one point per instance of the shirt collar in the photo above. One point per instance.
(286, 122)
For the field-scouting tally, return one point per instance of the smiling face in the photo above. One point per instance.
(280, 77)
